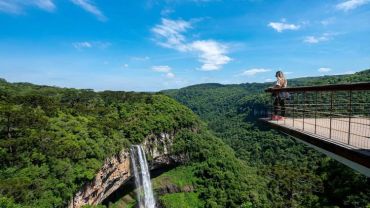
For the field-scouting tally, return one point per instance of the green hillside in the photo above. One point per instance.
(53, 140)
(296, 175)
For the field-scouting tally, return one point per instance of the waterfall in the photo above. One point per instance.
(145, 195)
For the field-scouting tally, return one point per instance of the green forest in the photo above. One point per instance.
(53, 140)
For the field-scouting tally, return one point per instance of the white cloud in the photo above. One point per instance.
(254, 71)
(212, 54)
(167, 11)
(80, 45)
(10, 7)
(170, 34)
(327, 21)
(269, 80)
(17, 6)
(317, 39)
(170, 75)
(313, 39)
(86, 44)
(281, 26)
(140, 58)
(89, 6)
(125, 66)
(164, 69)
(47, 5)
(351, 4)
(324, 69)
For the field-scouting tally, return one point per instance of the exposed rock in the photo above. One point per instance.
(172, 188)
(159, 150)
(187, 188)
(116, 170)
(169, 188)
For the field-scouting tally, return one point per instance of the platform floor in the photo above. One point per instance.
(356, 135)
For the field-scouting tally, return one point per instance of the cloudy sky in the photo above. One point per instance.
(151, 45)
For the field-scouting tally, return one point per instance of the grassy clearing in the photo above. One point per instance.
(181, 200)
(180, 176)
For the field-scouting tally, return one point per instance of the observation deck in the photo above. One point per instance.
(333, 119)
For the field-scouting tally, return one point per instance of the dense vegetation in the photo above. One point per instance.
(53, 140)
(296, 175)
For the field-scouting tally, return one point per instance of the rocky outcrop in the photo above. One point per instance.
(159, 151)
(116, 170)
(172, 188)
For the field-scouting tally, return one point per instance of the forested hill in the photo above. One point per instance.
(297, 176)
(53, 140)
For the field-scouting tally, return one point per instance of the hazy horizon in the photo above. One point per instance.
(171, 88)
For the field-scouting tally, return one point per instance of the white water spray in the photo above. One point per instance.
(145, 195)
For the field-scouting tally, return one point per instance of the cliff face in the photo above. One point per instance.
(116, 170)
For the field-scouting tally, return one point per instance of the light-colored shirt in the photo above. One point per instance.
(281, 83)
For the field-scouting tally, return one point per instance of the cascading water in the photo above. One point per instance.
(145, 195)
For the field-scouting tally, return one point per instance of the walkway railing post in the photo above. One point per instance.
(304, 108)
(286, 108)
(315, 110)
(293, 109)
(331, 112)
(272, 106)
(349, 116)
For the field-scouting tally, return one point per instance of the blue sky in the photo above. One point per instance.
(160, 44)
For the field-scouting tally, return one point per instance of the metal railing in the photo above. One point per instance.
(340, 113)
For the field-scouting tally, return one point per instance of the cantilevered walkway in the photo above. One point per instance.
(334, 119)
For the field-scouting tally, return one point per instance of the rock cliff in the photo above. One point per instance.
(116, 170)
